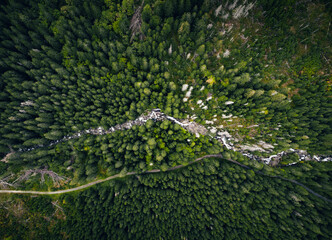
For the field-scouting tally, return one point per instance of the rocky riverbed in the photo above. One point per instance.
(223, 136)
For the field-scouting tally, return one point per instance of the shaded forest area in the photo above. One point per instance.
(68, 66)
(207, 200)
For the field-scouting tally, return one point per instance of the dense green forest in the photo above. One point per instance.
(259, 70)
(208, 200)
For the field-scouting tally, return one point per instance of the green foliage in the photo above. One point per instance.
(205, 201)
(67, 66)
(3, 168)
(289, 158)
(39, 211)
(150, 146)
(40, 205)
(101, 78)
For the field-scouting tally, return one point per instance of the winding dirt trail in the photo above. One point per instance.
(192, 127)
(66, 190)
(157, 171)
(104, 180)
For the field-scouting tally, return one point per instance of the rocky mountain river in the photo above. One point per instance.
(222, 136)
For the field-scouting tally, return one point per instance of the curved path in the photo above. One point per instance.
(103, 180)
(156, 171)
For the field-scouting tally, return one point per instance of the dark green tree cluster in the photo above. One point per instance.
(155, 145)
(314, 175)
(68, 66)
(292, 49)
(64, 70)
(209, 200)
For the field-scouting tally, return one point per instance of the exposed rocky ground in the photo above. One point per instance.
(197, 129)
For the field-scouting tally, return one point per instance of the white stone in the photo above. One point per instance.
(170, 50)
(226, 53)
(227, 116)
(226, 134)
(229, 102)
(184, 87)
(27, 103)
(188, 94)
